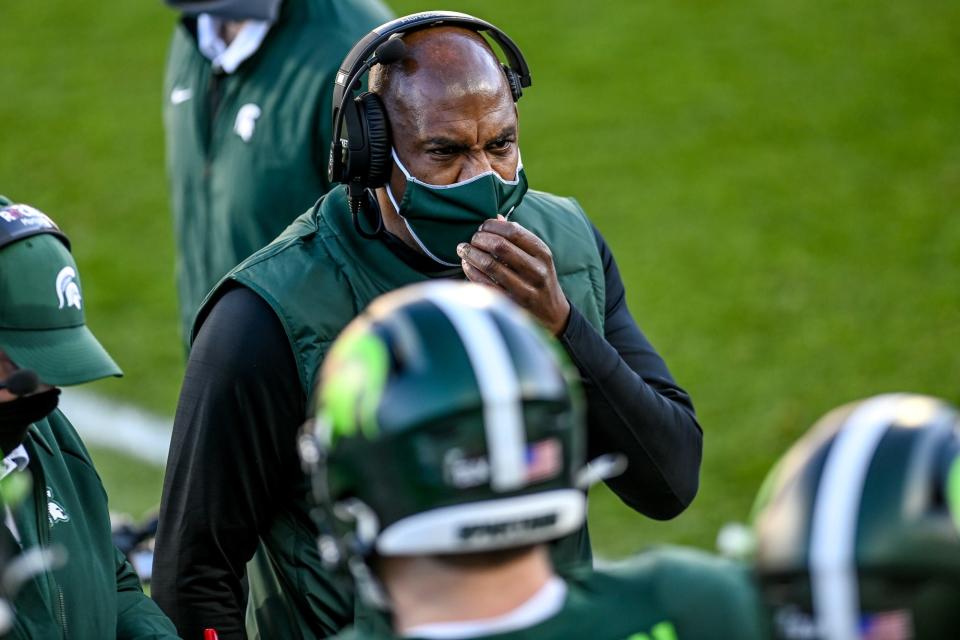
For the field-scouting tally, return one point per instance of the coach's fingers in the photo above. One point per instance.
(533, 270)
(475, 275)
(542, 297)
(518, 235)
(502, 275)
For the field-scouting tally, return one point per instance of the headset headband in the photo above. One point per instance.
(359, 55)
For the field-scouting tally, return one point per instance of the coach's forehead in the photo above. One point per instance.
(444, 67)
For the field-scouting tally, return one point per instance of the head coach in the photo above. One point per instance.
(433, 187)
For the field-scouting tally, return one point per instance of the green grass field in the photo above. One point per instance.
(779, 181)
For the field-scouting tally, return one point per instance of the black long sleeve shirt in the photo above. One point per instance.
(233, 459)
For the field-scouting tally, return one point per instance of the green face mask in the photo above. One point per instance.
(439, 217)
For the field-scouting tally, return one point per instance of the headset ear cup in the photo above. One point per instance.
(378, 140)
(352, 158)
(514, 81)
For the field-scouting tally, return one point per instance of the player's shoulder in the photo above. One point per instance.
(680, 581)
(671, 569)
(672, 558)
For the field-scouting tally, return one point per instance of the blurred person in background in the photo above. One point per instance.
(76, 583)
(246, 113)
(858, 525)
(233, 488)
(440, 495)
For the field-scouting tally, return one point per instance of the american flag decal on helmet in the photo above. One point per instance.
(544, 460)
(886, 625)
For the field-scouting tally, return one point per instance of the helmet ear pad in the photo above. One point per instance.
(374, 116)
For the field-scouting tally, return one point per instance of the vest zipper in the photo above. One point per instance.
(214, 94)
(214, 99)
(43, 538)
(62, 610)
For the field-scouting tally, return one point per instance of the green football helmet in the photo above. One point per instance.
(447, 422)
(857, 525)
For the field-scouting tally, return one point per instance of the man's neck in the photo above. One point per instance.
(425, 590)
(394, 223)
(230, 28)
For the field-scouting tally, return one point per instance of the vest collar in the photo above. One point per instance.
(224, 57)
(35, 434)
(379, 265)
(17, 460)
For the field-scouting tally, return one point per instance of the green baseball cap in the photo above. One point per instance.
(42, 324)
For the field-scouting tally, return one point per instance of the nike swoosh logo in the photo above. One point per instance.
(180, 95)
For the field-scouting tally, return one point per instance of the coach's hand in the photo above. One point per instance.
(504, 255)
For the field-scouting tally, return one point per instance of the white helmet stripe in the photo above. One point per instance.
(836, 599)
(499, 386)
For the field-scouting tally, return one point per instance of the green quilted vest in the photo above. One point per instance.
(317, 276)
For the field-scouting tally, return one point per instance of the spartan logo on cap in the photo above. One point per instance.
(68, 291)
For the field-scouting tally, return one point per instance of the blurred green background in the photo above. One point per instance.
(779, 181)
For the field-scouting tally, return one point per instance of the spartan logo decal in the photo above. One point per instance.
(68, 291)
(246, 121)
(354, 373)
(55, 511)
(462, 471)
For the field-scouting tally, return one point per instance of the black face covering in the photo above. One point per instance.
(17, 415)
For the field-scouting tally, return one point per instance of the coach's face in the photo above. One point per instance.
(452, 118)
(451, 111)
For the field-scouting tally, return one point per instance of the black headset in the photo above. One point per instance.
(360, 150)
